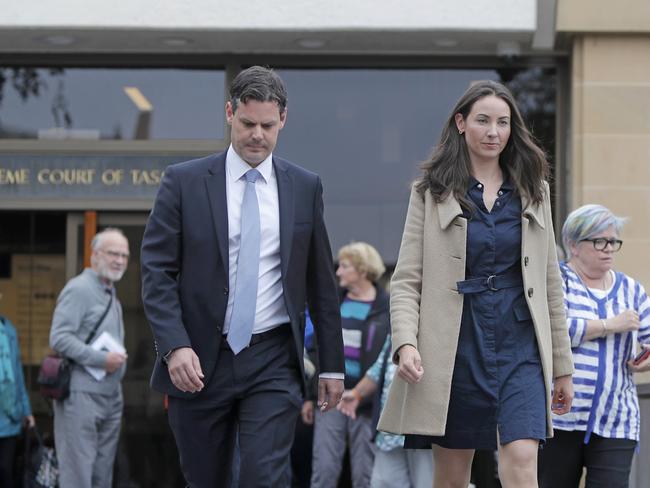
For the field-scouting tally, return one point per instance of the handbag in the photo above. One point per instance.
(55, 371)
(54, 377)
(41, 468)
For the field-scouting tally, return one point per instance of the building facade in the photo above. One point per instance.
(96, 99)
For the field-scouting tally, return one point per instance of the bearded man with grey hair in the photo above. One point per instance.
(87, 422)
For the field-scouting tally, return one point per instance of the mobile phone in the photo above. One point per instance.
(641, 356)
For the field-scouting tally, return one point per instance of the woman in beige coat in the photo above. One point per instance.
(476, 299)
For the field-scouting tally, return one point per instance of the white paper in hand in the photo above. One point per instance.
(105, 342)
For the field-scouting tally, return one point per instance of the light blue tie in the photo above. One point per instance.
(248, 264)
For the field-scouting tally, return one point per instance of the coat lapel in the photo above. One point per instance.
(448, 210)
(215, 184)
(533, 211)
(286, 194)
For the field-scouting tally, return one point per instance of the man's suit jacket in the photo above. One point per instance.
(185, 264)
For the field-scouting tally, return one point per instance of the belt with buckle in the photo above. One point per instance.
(491, 283)
(262, 336)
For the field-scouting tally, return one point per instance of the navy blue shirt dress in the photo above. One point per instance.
(497, 383)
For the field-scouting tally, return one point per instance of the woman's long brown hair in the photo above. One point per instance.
(448, 169)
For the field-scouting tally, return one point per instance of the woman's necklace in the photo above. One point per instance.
(583, 276)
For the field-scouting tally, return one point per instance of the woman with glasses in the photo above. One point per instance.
(607, 314)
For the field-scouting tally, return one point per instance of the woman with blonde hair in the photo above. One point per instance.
(365, 322)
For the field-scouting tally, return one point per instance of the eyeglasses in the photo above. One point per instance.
(116, 255)
(601, 243)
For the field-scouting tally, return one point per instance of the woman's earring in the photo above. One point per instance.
(460, 132)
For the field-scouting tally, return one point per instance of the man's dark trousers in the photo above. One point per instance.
(258, 390)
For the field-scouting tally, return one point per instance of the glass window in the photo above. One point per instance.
(365, 133)
(32, 273)
(120, 104)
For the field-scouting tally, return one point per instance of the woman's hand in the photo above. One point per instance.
(348, 404)
(562, 395)
(623, 322)
(410, 364)
(29, 421)
(643, 365)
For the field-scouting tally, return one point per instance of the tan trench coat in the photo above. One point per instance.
(426, 307)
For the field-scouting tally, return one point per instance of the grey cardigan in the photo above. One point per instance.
(79, 306)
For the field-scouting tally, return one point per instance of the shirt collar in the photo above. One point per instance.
(237, 167)
(473, 182)
(506, 185)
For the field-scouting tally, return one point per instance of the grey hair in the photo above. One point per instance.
(98, 239)
(259, 84)
(588, 221)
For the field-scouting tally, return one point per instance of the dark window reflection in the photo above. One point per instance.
(119, 104)
(535, 90)
(366, 132)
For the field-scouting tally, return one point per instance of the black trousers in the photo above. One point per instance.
(608, 461)
(258, 391)
(7, 460)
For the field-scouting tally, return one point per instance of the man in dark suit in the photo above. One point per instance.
(234, 248)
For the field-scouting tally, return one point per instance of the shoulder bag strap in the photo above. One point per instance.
(101, 319)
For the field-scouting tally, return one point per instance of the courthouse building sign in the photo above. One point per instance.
(82, 177)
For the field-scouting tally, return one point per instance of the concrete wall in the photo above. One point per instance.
(610, 116)
(603, 16)
(611, 137)
(503, 15)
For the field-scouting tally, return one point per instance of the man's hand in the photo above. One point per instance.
(562, 395)
(410, 364)
(307, 413)
(185, 370)
(348, 405)
(329, 393)
(113, 361)
(29, 422)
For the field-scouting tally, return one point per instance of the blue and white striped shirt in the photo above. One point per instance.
(605, 400)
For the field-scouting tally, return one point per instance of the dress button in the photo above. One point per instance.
(530, 292)
(498, 203)
(225, 290)
(500, 192)
(526, 261)
(479, 186)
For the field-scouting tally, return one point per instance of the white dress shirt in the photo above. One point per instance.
(270, 309)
